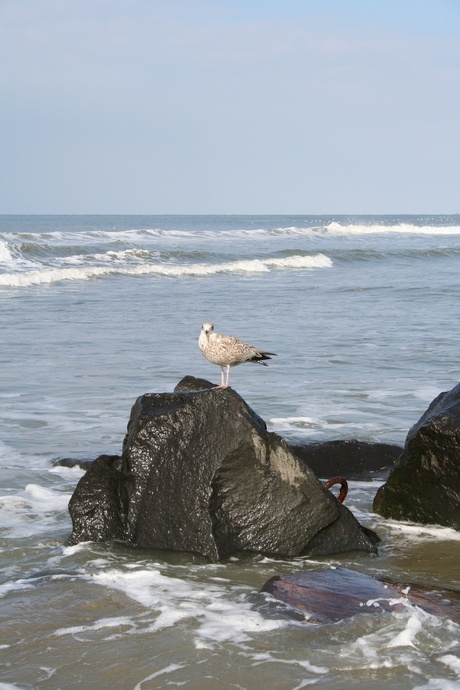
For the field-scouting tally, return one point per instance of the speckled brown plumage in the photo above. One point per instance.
(227, 351)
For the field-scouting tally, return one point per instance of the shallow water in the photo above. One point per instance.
(363, 313)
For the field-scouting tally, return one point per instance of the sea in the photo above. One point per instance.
(364, 315)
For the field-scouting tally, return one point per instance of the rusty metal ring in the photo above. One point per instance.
(344, 487)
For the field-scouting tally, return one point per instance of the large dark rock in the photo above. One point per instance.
(330, 595)
(348, 458)
(200, 473)
(424, 486)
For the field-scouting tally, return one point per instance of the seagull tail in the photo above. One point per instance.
(261, 355)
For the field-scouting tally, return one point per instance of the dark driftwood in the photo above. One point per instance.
(328, 596)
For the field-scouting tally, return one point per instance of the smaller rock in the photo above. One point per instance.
(83, 464)
(424, 485)
(191, 383)
(95, 508)
(351, 459)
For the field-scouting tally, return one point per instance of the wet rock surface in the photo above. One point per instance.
(200, 473)
(424, 486)
(351, 459)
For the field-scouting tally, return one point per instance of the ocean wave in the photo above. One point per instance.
(112, 257)
(310, 229)
(46, 276)
(332, 228)
(53, 275)
(400, 228)
(5, 254)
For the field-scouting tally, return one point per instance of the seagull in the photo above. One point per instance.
(227, 351)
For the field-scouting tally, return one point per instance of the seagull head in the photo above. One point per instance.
(207, 328)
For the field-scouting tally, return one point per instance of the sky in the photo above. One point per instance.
(229, 106)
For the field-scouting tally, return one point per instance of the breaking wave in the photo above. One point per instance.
(53, 275)
(398, 228)
(5, 254)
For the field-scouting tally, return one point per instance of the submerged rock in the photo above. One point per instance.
(424, 486)
(330, 595)
(200, 472)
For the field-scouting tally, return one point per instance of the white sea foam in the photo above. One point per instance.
(76, 548)
(140, 235)
(398, 637)
(290, 423)
(31, 511)
(162, 671)
(267, 657)
(408, 636)
(111, 257)
(218, 617)
(416, 531)
(5, 254)
(332, 227)
(317, 261)
(101, 624)
(451, 661)
(70, 473)
(309, 428)
(439, 684)
(46, 276)
(400, 228)
(8, 587)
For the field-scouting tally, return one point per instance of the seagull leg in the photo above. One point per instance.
(223, 378)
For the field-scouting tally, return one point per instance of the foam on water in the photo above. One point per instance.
(288, 423)
(419, 532)
(163, 671)
(32, 511)
(125, 256)
(219, 617)
(308, 429)
(47, 276)
(267, 657)
(439, 684)
(409, 638)
(8, 587)
(451, 661)
(400, 228)
(5, 254)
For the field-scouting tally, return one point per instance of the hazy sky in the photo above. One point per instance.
(230, 106)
